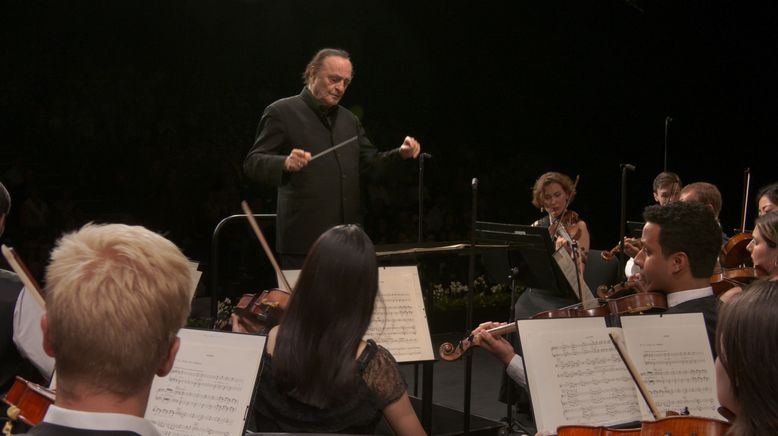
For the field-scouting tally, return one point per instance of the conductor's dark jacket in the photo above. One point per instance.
(326, 192)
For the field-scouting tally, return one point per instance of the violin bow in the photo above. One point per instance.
(24, 274)
(263, 241)
(633, 371)
(746, 187)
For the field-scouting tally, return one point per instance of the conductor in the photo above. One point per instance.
(315, 151)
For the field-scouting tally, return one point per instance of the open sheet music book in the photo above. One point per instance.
(399, 321)
(576, 376)
(210, 388)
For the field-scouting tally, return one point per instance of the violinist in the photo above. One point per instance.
(767, 199)
(319, 375)
(746, 373)
(116, 297)
(764, 251)
(667, 188)
(681, 243)
(552, 193)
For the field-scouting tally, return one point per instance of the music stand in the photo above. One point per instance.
(531, 251)
(635, 229)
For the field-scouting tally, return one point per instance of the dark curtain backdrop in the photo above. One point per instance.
(141, 111)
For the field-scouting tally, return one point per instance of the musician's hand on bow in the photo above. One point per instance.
(297, 160)
(410, 148)
(497, 345)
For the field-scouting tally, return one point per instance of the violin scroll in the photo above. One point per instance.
(450, 352)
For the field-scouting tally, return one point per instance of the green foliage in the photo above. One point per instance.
(485, 295)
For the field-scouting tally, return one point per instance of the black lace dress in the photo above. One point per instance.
(379, 384)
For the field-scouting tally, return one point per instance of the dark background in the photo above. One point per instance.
(141, 112)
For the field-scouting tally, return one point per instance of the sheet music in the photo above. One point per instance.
(575, 374)
(399, 321)
(195, 274)
(673, 356)
(567, 265)
(209, 390)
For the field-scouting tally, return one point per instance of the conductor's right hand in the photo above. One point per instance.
(297, 160)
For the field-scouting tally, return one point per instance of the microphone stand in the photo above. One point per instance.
(469, 313)
(427, 368)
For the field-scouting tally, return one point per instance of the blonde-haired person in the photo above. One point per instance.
(552, 194)
(764, 251)
(746, 373)
(116, 297)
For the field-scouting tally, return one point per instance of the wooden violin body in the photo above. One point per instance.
(262, 311)
(672, 425)
(28, 401)
(735, 252)
(731, 277)
(642, 302)
(639, 302)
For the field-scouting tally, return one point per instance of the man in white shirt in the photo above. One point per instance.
(116, 297)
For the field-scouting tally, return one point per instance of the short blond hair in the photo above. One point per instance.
(116, 296)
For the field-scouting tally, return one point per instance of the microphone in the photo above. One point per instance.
(426, 156)
(474, 183)
(628, 166)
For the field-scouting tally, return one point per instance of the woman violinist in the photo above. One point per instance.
(552, 193)
(319, 374)
(746, 373)
(764, 251)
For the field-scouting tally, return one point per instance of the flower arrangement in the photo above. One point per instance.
(485, 295)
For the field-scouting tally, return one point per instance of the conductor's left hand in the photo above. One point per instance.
(410, 148)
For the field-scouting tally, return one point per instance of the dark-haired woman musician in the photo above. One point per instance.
(319, 375)
(746, 372)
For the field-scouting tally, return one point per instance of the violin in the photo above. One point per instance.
(260, 312)
(263, 310)
(731, 277)
(569, 221)
(735, 252)
(28, 402)
(610, 254)
(618, 290)
(575, 311)
(671, 425)
(639, 303)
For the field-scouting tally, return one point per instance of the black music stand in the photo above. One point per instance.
(635, 229)
(531, 251)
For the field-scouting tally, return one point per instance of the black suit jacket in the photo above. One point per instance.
(709, 307)
(325, 193)
(11, 362)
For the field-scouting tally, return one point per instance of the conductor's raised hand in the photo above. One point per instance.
(410, 148)
(297, 160)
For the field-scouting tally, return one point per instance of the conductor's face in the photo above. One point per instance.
(329, 84)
